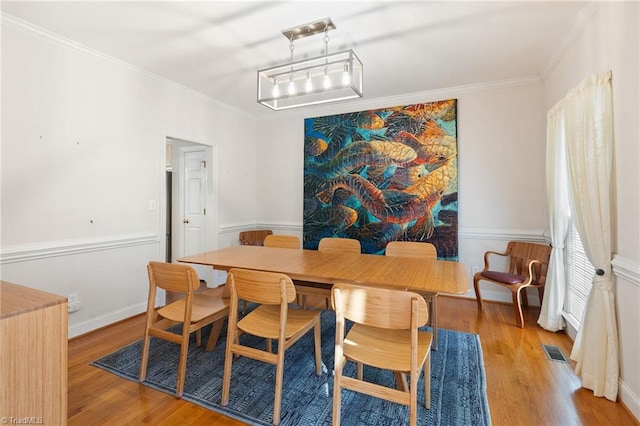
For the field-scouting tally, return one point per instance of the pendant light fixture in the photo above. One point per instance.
(326, 78)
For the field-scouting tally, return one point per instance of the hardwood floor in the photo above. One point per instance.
(523, 386)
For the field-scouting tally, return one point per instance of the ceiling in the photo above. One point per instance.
(407, 47)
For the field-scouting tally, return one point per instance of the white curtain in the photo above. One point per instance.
(587, 121)
(558, 205)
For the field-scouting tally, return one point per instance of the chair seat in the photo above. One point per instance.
(384, 348)
(201, 308)
(506, 278)
(503, 277)
(264, 321)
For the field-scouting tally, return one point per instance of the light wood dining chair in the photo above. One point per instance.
(339, 245)
(527, 267)
(384, 335)
(254, 238)
(423, 251)
(194, 311)
(282, 241)
(327, 245)
(272, 319)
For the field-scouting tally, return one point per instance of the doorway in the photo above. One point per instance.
(188, 201)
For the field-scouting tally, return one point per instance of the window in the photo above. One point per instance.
(579, 276)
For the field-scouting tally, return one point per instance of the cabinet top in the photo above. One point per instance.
(16, 299)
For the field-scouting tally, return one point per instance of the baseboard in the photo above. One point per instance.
(630, 400)
(105, 320)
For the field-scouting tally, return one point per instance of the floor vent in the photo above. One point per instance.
(554, 353)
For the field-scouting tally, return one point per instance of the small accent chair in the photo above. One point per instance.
(385, 335)
(329, 245)
(424, 251)
(254, 238)
(272, 319)
(282, 241)
(194, 311)
(527, 267)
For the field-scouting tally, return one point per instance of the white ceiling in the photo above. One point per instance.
(407, 47)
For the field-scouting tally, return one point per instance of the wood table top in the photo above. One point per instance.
(440, 276)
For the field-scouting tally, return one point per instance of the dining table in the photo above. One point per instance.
(323, 269)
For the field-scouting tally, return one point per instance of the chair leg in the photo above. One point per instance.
(434, 320)
(413, 398)
(337, 390)
(145, 356)
(279, 377)
(518, 308)
(427, 382)
(476, 287)
(232, 338)
(318, 351)
(182, 367)
(540, 294)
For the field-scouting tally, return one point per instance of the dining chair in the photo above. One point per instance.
(272, 319)
(254, 238)
(527, 267)
(282, 241)
(327, 245)
(423, 251)
(194, 311)
(385, 334)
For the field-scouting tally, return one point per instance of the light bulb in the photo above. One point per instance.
(327, 80)
(275, 92)
(346, 77)
(292, 87)
(308, 85)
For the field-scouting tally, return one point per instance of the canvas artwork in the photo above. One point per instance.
(383, 175)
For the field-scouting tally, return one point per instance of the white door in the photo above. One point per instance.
(194, 203)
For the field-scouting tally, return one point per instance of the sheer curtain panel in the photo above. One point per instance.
(558, 206)
(587, 122)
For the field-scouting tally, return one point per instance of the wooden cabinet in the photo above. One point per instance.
(33, 356)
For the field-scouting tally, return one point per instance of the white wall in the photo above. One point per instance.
(611, 41)
(501, 143)
(83, 153)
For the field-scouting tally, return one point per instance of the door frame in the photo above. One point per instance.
(179, 147)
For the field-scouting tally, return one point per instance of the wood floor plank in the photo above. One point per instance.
(524, 387)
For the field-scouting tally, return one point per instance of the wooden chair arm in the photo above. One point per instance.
(529, 277)
(489, 253)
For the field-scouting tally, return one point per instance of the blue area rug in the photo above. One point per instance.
(458, 395)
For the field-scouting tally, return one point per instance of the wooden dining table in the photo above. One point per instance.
(324, 268)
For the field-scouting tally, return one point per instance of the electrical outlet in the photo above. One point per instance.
(73, 302)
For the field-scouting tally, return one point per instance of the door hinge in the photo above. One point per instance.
(205, 211)
(204, 164)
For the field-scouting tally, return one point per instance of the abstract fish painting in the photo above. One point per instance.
(383, 175)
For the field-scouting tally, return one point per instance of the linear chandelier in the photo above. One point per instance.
(327, 78)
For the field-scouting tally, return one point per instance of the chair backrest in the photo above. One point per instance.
(339, 245)
(411, 249)
(173, 277)
(521, 253)
(254, 238)
(265, 288)
(282, 241)
(379, 307)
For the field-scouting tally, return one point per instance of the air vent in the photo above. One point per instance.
(554, 353)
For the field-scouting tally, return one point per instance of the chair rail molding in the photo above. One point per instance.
(626, 268)
(27, 252)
